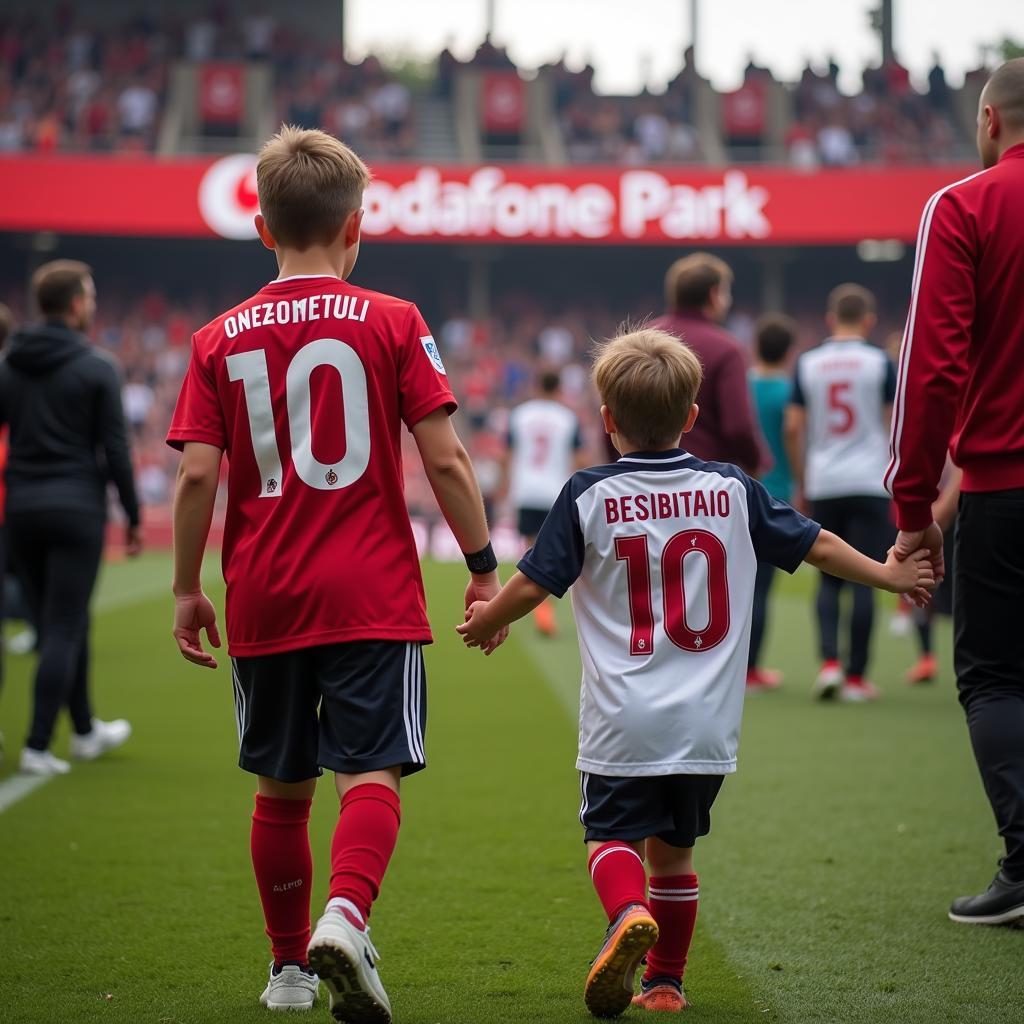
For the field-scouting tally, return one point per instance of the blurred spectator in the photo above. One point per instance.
(938, 90)
(136, 110)
(835, 144)
(258, 28)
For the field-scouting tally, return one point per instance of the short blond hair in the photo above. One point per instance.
(308, 183)
(649, 380)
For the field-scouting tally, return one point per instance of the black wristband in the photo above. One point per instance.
(482, 561)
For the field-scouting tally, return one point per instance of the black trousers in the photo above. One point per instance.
(759, 611)
(988, 599)
(57, 554)
(865, 524)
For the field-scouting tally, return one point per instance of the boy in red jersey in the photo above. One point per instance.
(306, 386)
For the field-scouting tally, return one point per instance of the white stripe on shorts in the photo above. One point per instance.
(239, 701)
(417, 702)
(584, 802)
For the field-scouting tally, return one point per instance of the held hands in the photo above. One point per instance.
(192, 614)
(477, 632)
(481, 589)
(931, 538)
(912, 575)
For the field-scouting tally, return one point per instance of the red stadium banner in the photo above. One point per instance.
(208, 198)
(221, 93)
(502, 103)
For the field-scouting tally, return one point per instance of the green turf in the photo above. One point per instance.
(127, 894)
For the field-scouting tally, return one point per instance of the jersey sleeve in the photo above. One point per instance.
(422, 379)
(933, 357)
(556, 559)
(198, 415)
(781, 535)
(796, 392)
(889, 384)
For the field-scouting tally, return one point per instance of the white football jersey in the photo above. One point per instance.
(543, 435)
(845, 386)
(661, 551)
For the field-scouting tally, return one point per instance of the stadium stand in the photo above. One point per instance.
(212, 78)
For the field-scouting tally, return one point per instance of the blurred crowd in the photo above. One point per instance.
(66, 83)
(888, 120)
(626, 129)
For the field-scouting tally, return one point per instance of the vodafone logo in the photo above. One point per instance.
(634, 205)
(227, 196)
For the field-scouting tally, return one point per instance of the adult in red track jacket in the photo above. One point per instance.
(960, 388)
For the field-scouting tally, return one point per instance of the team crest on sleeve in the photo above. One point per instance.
(430, 347)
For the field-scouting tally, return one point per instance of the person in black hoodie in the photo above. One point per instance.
(61, 399)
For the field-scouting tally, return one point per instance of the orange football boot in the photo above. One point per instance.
(609, 988)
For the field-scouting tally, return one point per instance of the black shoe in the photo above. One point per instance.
(1002, 903)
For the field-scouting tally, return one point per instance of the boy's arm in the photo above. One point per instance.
(517, 598)
(833, 555)
(194, 495)
(453, 481)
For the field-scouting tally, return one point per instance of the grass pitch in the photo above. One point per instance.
(127, 893)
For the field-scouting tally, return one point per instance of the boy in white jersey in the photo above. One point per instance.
(544, 447)
(837, 438)
(661, 551)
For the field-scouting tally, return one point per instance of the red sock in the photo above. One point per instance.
(618, 876)
(364, 840)
(674, 906)
(284, 873)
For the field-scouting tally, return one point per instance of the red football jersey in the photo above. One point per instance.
(306, 386)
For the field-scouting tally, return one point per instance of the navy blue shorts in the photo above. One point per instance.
(674, 808)
(530, 520)
(352, 707)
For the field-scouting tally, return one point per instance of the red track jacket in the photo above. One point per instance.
(961, 372)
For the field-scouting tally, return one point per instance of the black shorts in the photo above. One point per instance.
(530, 520)
(863, 521)
(674, 808)
(352, 707)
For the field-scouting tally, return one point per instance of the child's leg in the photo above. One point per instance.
(617, 871)
(861, 625)
(364, 838)
(673, 903)
(759, 611)
(283, 864)
(923, 622)
(827, 606)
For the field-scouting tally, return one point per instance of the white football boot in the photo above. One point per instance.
(291, 988)
(103, 737)
(344, 958)
(828, 682)
(41, 762)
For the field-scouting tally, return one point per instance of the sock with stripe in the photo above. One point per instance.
(364, 840)
(673, 902)
(283, 865)
(618, 876)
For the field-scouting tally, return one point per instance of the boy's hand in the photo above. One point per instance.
(481, 589)
(913, 575)
(193, 613)
(477, 632)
